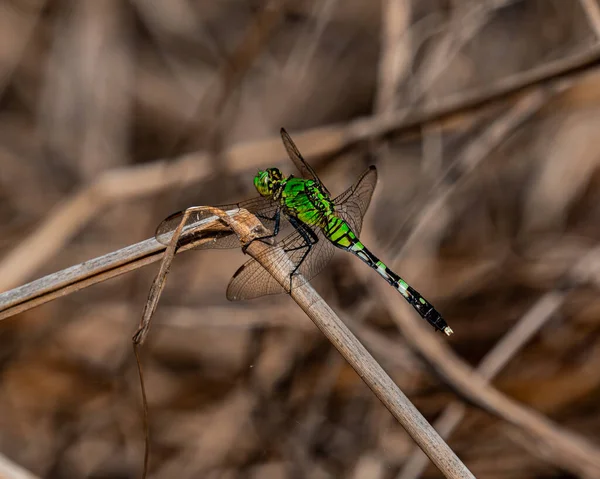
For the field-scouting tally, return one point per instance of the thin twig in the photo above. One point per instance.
(18, 25)
(404, 120)
(463, 27)
(471, 157)
(159, 283)
(10, 470)
(154, 295)
(304, 50)
(140, 335)
(592, 10)
(396, 53)
(145, 411)
(302, 437)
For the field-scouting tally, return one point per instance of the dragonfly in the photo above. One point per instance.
(319, 225)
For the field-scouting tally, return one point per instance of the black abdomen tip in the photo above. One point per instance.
(435, 319)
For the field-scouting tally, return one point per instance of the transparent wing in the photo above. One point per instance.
(294, 154)
(251, 280)
(263, 208)
(352, 204)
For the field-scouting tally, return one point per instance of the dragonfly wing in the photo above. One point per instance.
(294, 154)
(263, 208)
(352, 204)
(251, 280)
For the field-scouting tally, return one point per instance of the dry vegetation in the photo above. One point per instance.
(483, 119)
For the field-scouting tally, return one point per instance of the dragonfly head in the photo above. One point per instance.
(267, 182)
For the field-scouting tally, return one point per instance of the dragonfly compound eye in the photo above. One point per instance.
(275, 174)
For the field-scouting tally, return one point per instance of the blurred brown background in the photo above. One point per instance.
(114, 114)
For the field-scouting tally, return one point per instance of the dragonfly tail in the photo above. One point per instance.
(420, 304)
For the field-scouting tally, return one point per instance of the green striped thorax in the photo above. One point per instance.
(300, 198)
(269, 182)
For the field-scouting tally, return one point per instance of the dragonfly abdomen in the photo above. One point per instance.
(339, 232)
(421, 305)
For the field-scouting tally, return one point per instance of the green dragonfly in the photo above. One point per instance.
(319, 225)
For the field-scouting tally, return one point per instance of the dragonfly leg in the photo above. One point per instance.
(276, 217)
(310, 239)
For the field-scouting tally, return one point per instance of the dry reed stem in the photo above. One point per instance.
(157, 99)
(19, 28)
(355, 353)
(551, 442)
(396, 53)
(302, 53)
(475, 152)
(122, 184)
(471, 157)
(463, 28)
(493, 362)
(592, 10)
(10, 470)
(95, 271)
(156, 289)
(245, 226)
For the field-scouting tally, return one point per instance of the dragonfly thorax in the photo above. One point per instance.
(269, 182)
